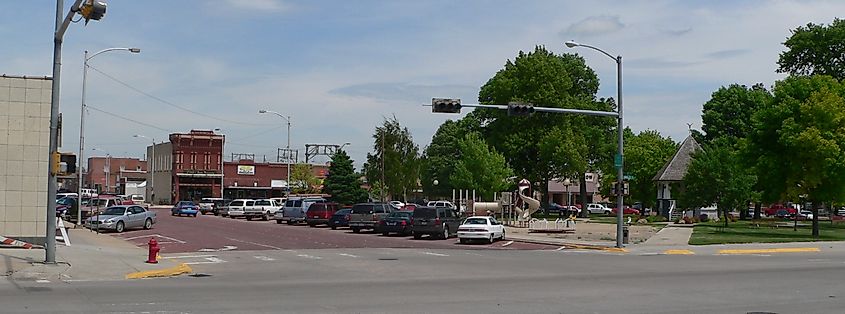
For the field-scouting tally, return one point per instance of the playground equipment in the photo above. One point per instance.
(486, 208)
(533, 204)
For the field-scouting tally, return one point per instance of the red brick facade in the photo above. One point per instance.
(196, 164)
(120, 170)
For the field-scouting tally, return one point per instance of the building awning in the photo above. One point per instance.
(199, 175)
(233, 187)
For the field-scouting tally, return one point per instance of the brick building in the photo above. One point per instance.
(110, 174)
(246, 178)
(189, 167)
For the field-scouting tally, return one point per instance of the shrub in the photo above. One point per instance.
(703, 218)
(658, 218)
(687, 220)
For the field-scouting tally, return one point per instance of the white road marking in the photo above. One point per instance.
(156, 235)
(210, 260)
(435, 254)
(309, 256)
(560, 248)
(264, 258)
(225, 248)
(507, 243)
(347, 255)
(187, 256)
(42, 281)
(258, 244)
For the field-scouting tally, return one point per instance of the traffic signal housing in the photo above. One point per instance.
(520, 109)
(92, 10)
(445, 105)
(69, 162)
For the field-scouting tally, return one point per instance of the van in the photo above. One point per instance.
(320, 213)
(138, 199)
(295, 209)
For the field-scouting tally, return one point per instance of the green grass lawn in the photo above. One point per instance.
(747, 232)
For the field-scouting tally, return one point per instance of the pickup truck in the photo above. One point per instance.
(263, 208)
(368, 215)
(295, 209)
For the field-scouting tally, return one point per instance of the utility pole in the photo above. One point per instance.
(383, 185)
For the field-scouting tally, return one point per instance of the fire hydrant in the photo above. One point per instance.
(154, 248)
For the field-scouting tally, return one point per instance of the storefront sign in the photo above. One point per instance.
(278, 184)
(246, 170)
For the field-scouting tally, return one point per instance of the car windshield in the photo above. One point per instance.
(475, 221)
(343, 211)
(405, 214)
(425, 213)
(293, 203)
(362, 209)
(236, 203)
(114, 211)
(185, 204)
(262, 203)
(66, 201)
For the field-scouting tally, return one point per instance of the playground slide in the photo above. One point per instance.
(533, 205)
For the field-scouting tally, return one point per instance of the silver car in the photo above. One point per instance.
(121, 217)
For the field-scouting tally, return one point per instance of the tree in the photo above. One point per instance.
(544, 146)
(645, 154)
(480, 168)
(303, 179)
(799, 142)
(716, 175)
(342, 182)
(395, 157)
(439, 158)
(815, 49)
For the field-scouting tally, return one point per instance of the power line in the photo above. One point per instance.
(128, 119)
(127, 85)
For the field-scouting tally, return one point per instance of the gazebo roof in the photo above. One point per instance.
(676, 168)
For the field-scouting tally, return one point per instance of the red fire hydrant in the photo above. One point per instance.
(153, 251)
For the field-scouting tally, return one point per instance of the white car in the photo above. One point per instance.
(598, 209)
(481, 228)
(447, 204)
(397, 204)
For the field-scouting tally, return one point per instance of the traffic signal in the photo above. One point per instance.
(56, 163)
(69, 160)
(92, 10)
(520, 109)
(445, 105)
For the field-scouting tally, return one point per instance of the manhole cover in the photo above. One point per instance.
(199, 275)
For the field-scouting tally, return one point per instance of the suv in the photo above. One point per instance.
(295, 209)
(210, 205)
(237, 208)
(262, 208)
(598, 209)
(368, 215)
(440, 222)
(441, 204)
(320, 213)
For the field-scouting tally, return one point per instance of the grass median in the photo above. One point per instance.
(767, 231)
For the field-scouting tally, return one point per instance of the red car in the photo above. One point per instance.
(773, 210)
(626, 211)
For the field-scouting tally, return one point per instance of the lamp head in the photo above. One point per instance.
(571, 44)
(135, 50)
(262, 111)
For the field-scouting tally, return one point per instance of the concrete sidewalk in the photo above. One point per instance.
(91, 257)
(669, 236)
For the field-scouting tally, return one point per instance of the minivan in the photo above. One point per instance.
(320, 213)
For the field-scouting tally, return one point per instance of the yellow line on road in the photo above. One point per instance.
(678, 252)
(775, 250)
(167, 272)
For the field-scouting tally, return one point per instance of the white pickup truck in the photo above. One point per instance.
(262, 208)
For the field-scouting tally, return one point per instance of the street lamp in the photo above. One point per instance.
(287, 118)
(344, 145)
(82, 117)
(107, 168)
(618, 161)
(567, 183)
(222, 150)
(151, 166)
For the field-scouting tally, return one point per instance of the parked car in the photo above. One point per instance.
(774, 208)
(320, 213)
(401, 222)
(396, 204)
(295, 209)
(367, 215)
(410, 207)
(805, 214)
(138, 199)
(626, 211)
(237, 208)
(340, 218)
(481, 228)
(66, 206)
(121, 217)
(436, 222)
(263, 208)
(185, 208)
(210, 204)
(598, 209)
(441, 204)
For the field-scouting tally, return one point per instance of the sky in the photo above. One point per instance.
(339, 68)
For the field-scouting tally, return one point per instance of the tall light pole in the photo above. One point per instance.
(287, 158)
(82, 118)
(107, 168)
(151, 167)
(619, 160)
(222, 150)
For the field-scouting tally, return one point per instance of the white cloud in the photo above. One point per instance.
(594, 25)
(258, 5)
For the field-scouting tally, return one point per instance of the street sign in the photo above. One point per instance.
(617, 161)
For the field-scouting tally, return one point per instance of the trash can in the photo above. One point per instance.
(624, 234)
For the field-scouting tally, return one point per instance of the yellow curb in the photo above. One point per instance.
(178, 270)
(678, 252)
(776, 250)
(595, 247)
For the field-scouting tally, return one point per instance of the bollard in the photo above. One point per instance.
(624, 234)
(153, 251)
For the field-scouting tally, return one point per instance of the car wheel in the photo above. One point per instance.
(148, 224)
(445, 232)
(503, 235)
(356, 230)
(334, 227)
(119, 228)
(490, 238)
(248, 218)
(290, 222)
(266, 217)
(172, 214)
(417, 236)
(463, 241)
(385, 233)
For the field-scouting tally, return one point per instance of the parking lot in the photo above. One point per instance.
(216, 234)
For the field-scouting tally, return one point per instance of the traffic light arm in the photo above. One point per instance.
(548, 109)
(60, 32)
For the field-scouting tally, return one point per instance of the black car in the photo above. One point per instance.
(440, 222)
(401, 222)
(340, 218)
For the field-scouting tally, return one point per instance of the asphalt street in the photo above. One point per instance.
(389, 280)
(214, 233)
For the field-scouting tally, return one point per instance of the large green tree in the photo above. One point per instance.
(544, 146)
(799, 141)
(479, 167)
(303, 179)
(645, 154)
(716, 175)
(815, 49)
(342, 183)
(395, 158)
(438, 160)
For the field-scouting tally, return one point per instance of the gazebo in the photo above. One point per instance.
(671, 176)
